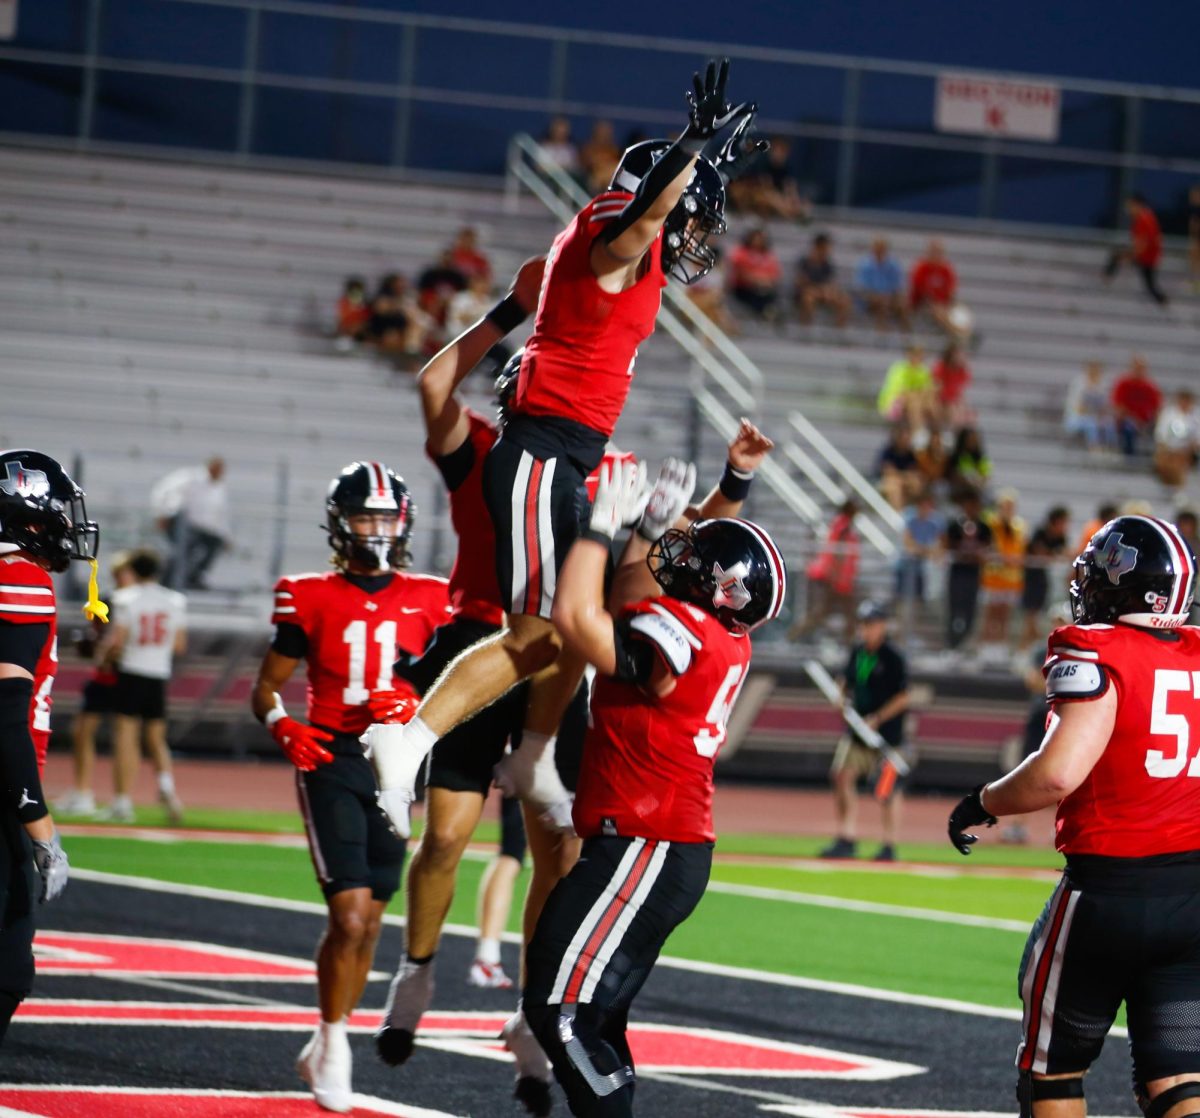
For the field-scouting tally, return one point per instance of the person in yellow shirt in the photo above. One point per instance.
(1003, 575)
(908, 390)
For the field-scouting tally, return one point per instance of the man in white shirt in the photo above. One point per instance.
(191, 506)
(148, 631)
(1176, 440)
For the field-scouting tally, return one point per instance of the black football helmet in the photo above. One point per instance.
(368, 488)
(1138, 569)
(729, 568)
(42, 511)
(698, 215)
(505, 385)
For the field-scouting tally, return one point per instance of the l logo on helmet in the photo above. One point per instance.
(24, 483)
(731, 586)
(1117, 558)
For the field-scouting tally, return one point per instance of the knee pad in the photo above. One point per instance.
(595, 1061)
(1159, 1105)
(1031, 1090)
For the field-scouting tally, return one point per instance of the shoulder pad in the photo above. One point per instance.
(668, 634)
(1068, 679)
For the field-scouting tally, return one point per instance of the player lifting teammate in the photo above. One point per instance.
(348, 625)
(1119, 760)
(599, 299)
(670, 662)
(43, 526)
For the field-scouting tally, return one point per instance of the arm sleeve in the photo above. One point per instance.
(20, 786)
(290, 640)
(674, 161)
(456, 466)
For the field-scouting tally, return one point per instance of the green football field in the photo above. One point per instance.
(947, 927)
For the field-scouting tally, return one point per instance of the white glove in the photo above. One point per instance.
(669, 497)
(396, 804)
(396, 764)
(51, 861)
(532, 776)
(621, 495)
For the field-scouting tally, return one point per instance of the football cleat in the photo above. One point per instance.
(534, 1095)
(173, 806)
(410, 996)
(488, 976)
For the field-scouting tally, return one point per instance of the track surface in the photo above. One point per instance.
(965, 1059)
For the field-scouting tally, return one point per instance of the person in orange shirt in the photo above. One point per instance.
(1145, 247)
(1003, 574)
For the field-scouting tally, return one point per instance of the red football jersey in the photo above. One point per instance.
(578, 361)
(647, 766)
(354, 637)
(27, 598)
(612, 457)
(1143, 795)
(474, 592)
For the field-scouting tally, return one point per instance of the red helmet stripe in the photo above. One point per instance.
(778, 569)
(378, 478)
(1185, 569)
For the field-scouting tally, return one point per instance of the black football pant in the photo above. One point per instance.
(962, 592)
(19, 885)
(595, 944)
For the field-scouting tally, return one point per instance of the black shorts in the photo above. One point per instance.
(1091, 949)
(351, 844)
(512, 830)
(19, 889)
(536, 505)
(99, 697)
(605, 923)
(140, 696)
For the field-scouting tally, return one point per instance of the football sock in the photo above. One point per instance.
(488, 950)
(333, 1030)
(420, 960)
(166, 783)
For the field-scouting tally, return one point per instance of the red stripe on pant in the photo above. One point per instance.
(604, 926)
(533, 556)
(1040, 979)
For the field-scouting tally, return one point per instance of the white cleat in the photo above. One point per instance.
(488, 976)
(331, 1074)
(75, 803)
(532, 1062)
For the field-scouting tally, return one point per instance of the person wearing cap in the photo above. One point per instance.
(875, 684)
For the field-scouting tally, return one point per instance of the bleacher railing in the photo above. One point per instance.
(725, 377)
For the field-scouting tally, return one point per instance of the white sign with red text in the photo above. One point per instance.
(997, 107)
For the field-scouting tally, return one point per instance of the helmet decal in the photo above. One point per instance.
(731, 587)
(23, 482)
(1117, 558)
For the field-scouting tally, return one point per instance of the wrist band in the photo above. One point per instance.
(597, 536)
(274, 714)
(507, 314)
(735, 483)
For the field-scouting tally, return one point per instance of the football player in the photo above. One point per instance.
(599, 299)
(348, 625)
(43, 526)
(1118, 758)
(670, 660)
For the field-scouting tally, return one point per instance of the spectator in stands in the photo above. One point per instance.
(1047, 545)
(353, 311)
(1003, 576)
(817, 285)
(879, 286)
(832, 575)
(1177, 439)
(1086, 412)
(1104, 514)
(969, 467)
(896, 467)
(1136, 401)
(933, 289)
(397, 326)
(924, 539)
(1145, 247)
(772, 190)
(933, 461)
(754, 274)
(1193, 227)
(556, 148)
(907, 393)
(599, 157)
(951, 375)
(708, 295)
(437, 285)
(191, 508)
(1185, 521)
(968, 540)
(465, 256)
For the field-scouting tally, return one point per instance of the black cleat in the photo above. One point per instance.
(534, 1095)
(394, 1045)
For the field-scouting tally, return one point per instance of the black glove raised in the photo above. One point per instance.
(708, 111)
(968, 812)
(741, 150)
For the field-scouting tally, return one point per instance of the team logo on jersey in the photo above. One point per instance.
(1156, 602)
(24, 483)
(731, 585)
(1117, 558)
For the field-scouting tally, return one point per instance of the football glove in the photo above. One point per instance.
(741, 149)
(393, 706)
(532, 776)
(708, 111)
(52, 865)
(301, 743)
(669, 497)
(969, 812)
(621, 495)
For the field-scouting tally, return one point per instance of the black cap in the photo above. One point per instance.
(871, 610)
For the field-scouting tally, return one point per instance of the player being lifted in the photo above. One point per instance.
(1119, 760)
(600, 296)
(348, 625)
(670, 660)
(43, 526)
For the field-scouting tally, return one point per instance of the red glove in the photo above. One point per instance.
(301, 743)
(394, 706)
